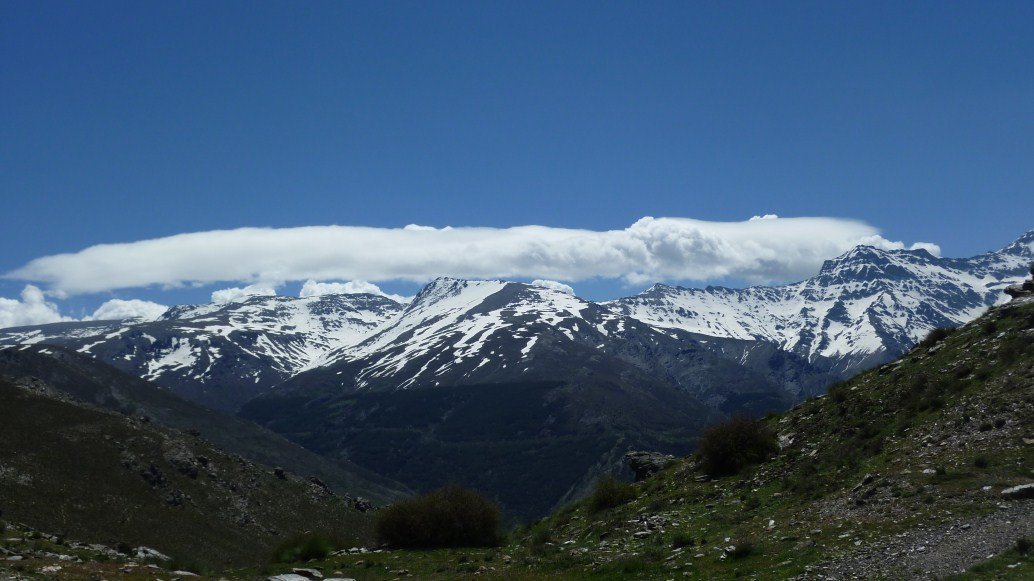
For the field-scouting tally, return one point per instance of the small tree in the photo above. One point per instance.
(448, 517)
(728, 447)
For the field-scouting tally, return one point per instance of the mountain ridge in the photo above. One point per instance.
(861, 309)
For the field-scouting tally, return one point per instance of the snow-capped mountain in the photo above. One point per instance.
(223, 354)
(863, 308)
(463, 332)
(492, 383)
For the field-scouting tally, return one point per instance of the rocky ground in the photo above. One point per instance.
(942, 550)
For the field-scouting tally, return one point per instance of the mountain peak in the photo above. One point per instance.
(444, 287)
(1022, 246)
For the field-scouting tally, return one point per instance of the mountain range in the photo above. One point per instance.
(863, 308)
(527, 391)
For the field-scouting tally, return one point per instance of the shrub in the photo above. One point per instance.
(448, 517)
(980, 461)
(610, 493)
(934, 337)
(741, 549)
(1023, 545)
(728, 447)
(628, 565)
(303, 548)
(186, 564)
(541, 540)
(681, 540)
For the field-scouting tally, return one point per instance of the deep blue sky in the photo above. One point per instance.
(131, 120)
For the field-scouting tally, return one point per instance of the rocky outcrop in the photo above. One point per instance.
(1020, 290)
(1025, 289)
(644, 464)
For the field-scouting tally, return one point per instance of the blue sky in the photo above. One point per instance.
(127, 121)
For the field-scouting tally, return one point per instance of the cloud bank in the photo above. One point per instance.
(564, 288)
(312, 288)
(231, 295)
(762, 249)
(32, 309)
(35, 309)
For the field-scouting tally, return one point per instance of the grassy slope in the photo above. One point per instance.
(932, 430)
(101, 385)
(79, 473)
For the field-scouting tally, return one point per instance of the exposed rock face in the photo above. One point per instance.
(645, 464)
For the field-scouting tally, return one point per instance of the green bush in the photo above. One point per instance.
(448, 517)
(682, 539)
(186, 564)
(935, 336)
(610, 493)
(1023, 545)
(728, 447)
(980, 461)
(303, 548)
(741, 549)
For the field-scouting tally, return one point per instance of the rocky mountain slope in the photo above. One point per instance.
(864, 308)
(96, 476)
(90, 382)
(523, 391)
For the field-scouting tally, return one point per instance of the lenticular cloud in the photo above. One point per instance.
(763, 249)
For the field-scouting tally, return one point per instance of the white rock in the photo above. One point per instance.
(1021, 491)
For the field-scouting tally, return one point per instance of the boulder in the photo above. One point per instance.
(645, 464)
(1016, 291)
(1025, 289)
(1019, 492)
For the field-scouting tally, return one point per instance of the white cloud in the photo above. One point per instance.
(554, 285)
(119, 309)
(32, 309)
(312, 288)
(230, 295)
(927, 246)
(769, 249)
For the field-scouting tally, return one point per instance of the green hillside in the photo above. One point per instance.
(100, 477)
